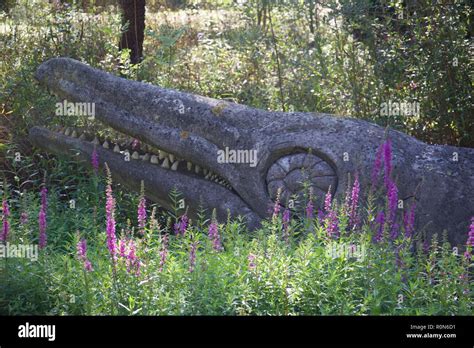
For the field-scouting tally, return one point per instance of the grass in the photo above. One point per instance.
(292, 265)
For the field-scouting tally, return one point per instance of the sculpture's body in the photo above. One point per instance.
(194, 128)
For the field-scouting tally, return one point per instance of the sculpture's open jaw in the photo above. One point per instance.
(133, 150)
(161, 172)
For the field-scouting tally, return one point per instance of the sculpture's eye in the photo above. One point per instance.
(290, 172)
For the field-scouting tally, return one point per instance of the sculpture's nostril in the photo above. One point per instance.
(290, 173)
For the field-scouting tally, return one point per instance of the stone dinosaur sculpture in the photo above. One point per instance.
(183, 134)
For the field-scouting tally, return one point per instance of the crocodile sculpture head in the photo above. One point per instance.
(187, 136)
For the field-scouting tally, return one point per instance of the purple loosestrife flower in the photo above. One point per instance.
(214, 236)
(163, 252)
(252, 264)
(42, 229)
(347, 199)
(394, 231)
(95, 160)
(181, 226)
(88, 266)
(392, 197)
(377, 165)
(133, 263)
(6, 224)
(141, 213)
(192, 256)
(81, 248)
(276, 210)
(309, 210)
(387, 153)
(328, 201)
(42, 217)
(331, 216)
(122, 248)
(353, 217)
(470, 239)
(320, 216)
(332, 226)
(110, 221)
(380, 220)
(286, 217)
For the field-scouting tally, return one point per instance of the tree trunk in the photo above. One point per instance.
(133, 17)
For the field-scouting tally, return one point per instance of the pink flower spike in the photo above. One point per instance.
(6, 224)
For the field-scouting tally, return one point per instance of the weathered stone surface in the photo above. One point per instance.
(442, 188)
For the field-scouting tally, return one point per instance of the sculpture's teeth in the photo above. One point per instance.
(175, 165)
(170, 161)
(162, 154)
